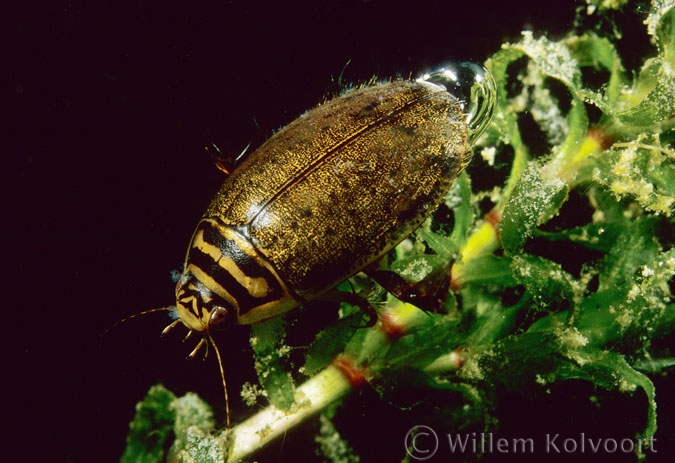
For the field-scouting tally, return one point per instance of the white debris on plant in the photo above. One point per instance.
(200, 447)
(471, 369)
(488, 154)
(251, 392)
(544, 184)
(624, 319)
(416, 270)
(626, 386)
(571, 338)
(545, 109)
(333, 447)
(657, 10)
(602, 5)
(653, 286)
(631, 162)
(628, 176)
(454, 196)
(190, 410)
(541, 379)
(284, 350)
(552, 58)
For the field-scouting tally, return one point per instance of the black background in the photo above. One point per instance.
(107, 109)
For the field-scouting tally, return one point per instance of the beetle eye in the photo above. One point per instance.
(220, 318)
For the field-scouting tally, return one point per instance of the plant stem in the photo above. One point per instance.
(311, 397)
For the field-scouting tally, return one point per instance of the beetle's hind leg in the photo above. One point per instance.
(428, 294)
(353, 299)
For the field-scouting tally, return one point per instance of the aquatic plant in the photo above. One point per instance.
(562, 264)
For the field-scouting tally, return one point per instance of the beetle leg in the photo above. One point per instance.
(363, 304)
(202, 343)
(170, 326)
(223, 163)
(428, 294)
(354, 299)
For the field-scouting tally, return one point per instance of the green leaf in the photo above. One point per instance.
(654, 366)
(160, 418)
(534, 201)
(655, 89)
(559, 355)
(419, 266)
(267, 341)
(330, 342)
(412, 389)
(152, 427)
(610, 371)
(464, 216)
(488, 270)
(659, 103)
(599, 53)
(633, 248)
(195, 441)
(503, 361)
(426, 343)
(644, 309)
(551, 58)
(595, 236)
(493, 326)
(505, 122)
(547, 284)
(577, 128)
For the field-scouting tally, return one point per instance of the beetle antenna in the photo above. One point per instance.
(227, 400)
(145, 312)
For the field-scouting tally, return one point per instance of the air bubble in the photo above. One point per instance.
(474, 86)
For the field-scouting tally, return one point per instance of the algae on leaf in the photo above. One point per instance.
(173, 428)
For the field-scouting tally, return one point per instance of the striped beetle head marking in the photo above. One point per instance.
(202, 311)
(199, 308)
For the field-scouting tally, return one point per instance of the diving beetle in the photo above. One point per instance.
(328, 195)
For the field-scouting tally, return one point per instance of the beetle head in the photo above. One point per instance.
(200, 309)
